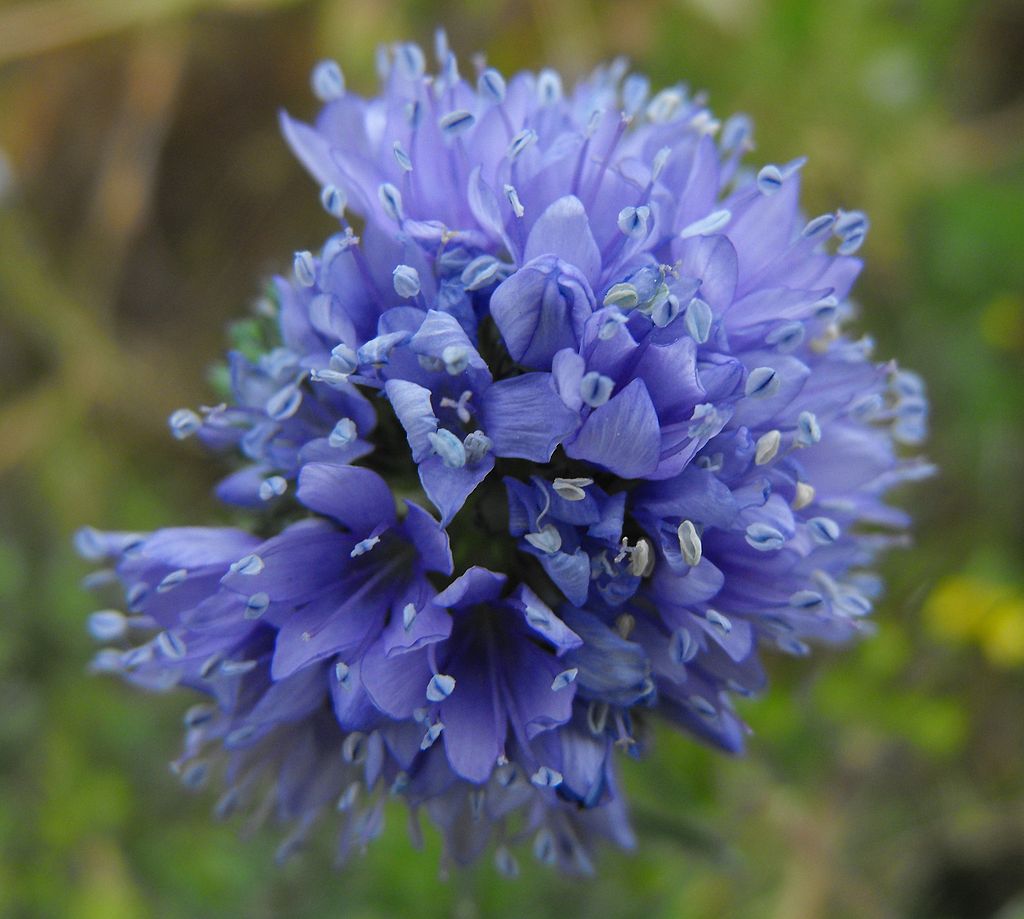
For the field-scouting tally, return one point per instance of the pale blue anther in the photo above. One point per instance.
(596, 388)
(377, 350)
(544, 847)
(333, 201)
(440, 687)
(852, 602)
(549, 86)
(483, 271)
(391, 200)
(344, 359)
(401, 157)
(506, 862)
(430, 363)
(239, 736)
(824, 530)
(761, 383)
(714, 222)
(666, 311)
(406, 280)
(907, 383)
(666, 104)
(238, 668)
(257, 605)
(633, 221)
(659, 161)
(682, 647)
(565, 678)
(195, 775)
(184, 423)
(720, 622)
(819, 226)
(769, 179)
(794, 646)
(611, 325)
(851, 227)
(410, 59)
(433, 732)
(704, 422)
(333, 378)
(348, 797)
(539, 618)
(408, 616)
(449, 75)
(736, 131)
(342, 673)
(284, 403)
(513, 199)
(441, 47)
(353, 747)
(449, 448)
(808, 431)
(806, 599)
(198, 715)
(171, 645)
(703, 707)
(623, 295)
(547, 539)
(477, 445)
(343, 434)
(635, 89)
(764, 537)
(136, 596)
(698, 320)
(491, 86)
(455, 358)
(249, 565)
(867, 408)
(786, 337)
(455, 123)
(328, 81)
(304, 267)
(826, 307)
(364, 546)
(107, 625)
(172, 580)
(520, 142)
(546, 777)
(273, 487)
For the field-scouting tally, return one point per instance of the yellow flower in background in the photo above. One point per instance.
(966, 609)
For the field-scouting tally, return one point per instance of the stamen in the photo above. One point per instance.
(707, 225)
(304, 267)
(808, 429)
(406, 280)
(548, 539)
(689, 543)
(767, 447)
(273, 487)
(107, 625)
(546, 777)
(761, 383)
(401, 157)
(343, 434)
(184, 423)
(764, 538)
(571, 489)
(565, 678)
(804, 496)
(449, 448)
(513, 200)
(596, 389)
(257, 605)
(249, 565)
(333, 200)
(698, 320)
(328, 81)
(440, 687)
(824, 530)
(769, 180)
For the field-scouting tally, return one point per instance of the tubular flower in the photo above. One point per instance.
(604, 365)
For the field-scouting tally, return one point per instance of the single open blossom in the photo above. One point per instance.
(556, 434)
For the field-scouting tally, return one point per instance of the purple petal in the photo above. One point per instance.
(622, 435)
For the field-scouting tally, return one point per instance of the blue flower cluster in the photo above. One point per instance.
(557, 432)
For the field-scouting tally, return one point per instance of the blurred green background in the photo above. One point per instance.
(145, 193)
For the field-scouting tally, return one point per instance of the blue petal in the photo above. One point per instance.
(622, 435)
(525, 417)
(357, 498)
(564, 230)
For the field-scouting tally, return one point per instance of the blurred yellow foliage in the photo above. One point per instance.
(966, 609)
(1002, 323)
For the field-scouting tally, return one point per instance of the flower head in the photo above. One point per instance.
(613, 361)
